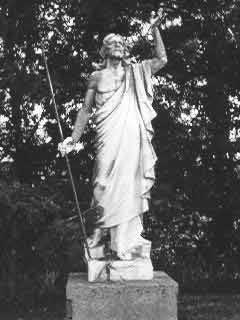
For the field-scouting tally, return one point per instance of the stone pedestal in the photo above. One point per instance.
(154, 299)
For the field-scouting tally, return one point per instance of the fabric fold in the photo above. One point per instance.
(125, 158)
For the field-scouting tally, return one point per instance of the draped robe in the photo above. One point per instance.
(124, 166)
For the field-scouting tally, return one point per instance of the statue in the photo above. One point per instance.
(124, 166)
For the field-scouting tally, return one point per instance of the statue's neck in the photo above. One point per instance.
(114, 64)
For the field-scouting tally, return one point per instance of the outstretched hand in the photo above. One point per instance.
(157, 20)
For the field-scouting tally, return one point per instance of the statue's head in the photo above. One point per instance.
(113, 47)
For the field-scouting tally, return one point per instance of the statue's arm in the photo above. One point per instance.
(85, 112)
(160, 57)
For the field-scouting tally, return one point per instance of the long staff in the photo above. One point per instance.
(82, 226)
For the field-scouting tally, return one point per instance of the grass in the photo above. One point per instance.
(209, 307)
(191, 307)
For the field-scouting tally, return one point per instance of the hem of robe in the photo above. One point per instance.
(145, 208)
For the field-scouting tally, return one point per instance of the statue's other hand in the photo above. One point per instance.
(67, 146)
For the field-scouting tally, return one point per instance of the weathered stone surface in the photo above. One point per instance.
(117, 270)
(138, 269)
(124, 300)
(97, 270)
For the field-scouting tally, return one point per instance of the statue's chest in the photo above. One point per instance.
(110, 82)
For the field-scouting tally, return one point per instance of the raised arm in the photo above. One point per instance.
(85, 112)
(160, 57)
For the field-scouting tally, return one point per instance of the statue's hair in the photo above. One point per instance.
(103, 51)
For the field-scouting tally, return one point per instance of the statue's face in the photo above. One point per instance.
(115, 47)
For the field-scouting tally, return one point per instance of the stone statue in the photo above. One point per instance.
(123, 175)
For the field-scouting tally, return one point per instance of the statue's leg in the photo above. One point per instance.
(95, 238)
(125, 237)
(97, 234)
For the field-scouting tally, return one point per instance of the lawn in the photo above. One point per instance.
(191, 307)
(209, 307)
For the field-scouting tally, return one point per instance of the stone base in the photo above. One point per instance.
(120, 270)
(132, 300)
(139, 267)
